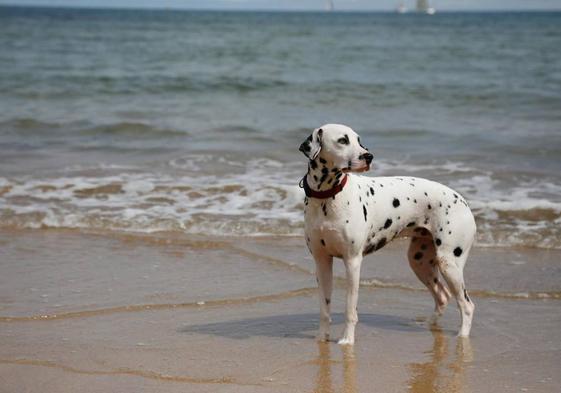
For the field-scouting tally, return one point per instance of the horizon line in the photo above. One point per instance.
(280, 10)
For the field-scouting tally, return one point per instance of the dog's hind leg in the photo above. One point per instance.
(352, 267)
(422, 259)
(451, 266)
(324, 276)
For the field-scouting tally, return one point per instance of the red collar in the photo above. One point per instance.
(323, 194)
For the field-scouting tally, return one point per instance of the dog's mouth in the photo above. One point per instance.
(358, 170)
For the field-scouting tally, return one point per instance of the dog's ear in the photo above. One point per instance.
(312, 145)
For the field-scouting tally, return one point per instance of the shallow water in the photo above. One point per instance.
(148, 313)
(57, 275)
(190, 121)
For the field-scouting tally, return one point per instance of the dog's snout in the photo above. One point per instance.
(367, 157)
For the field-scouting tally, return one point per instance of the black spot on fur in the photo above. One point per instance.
(436, 280)
(324, 208)
(395, 202)
(313, 164)
(438, 242)
(327, 301)
(323, 242)
(381, 243)
(365, 212)
(418, 256)
(466, 295)
(410, 224)
(458, 251)
(369, 248)
(371, 191)
(322, 160)
(429, 206)
(388, 223)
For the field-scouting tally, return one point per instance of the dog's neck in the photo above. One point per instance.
(323, 175)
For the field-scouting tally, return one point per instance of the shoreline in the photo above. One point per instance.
(144, 313)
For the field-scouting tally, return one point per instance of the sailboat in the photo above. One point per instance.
(329, 6)
(424, 7)
(401, 8)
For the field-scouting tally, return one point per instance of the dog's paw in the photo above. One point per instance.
(322, 337)
(433, 319)
(346, 341)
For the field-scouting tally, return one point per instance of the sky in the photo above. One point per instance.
(350, 5)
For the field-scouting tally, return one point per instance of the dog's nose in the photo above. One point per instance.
(367, 157)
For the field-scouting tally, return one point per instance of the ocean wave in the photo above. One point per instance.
(64, 86)
(30, 126)
(132, 129)
(254, 197)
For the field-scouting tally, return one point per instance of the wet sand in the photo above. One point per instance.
(96, 313)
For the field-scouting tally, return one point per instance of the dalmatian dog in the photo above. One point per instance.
(349, 216)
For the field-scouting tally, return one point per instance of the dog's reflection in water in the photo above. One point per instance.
(443, 372)
(324, 380)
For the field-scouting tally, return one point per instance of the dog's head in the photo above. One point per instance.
(339, 146)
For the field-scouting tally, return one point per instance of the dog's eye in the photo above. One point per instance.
(343, 141)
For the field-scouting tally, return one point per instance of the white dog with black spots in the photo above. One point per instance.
(348, 216)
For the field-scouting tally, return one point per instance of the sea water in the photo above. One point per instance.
(184, 121)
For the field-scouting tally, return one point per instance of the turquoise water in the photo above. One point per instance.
(191, 121)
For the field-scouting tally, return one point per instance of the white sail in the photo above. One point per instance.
(424, 7)
(329, 6)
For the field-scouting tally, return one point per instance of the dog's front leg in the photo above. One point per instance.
(324, 274)
(352, 266)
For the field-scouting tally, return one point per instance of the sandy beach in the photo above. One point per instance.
(135, 313)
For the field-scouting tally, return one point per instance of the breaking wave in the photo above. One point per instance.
(256, 197)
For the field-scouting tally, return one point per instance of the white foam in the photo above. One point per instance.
(138, 186)
(259, 197)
